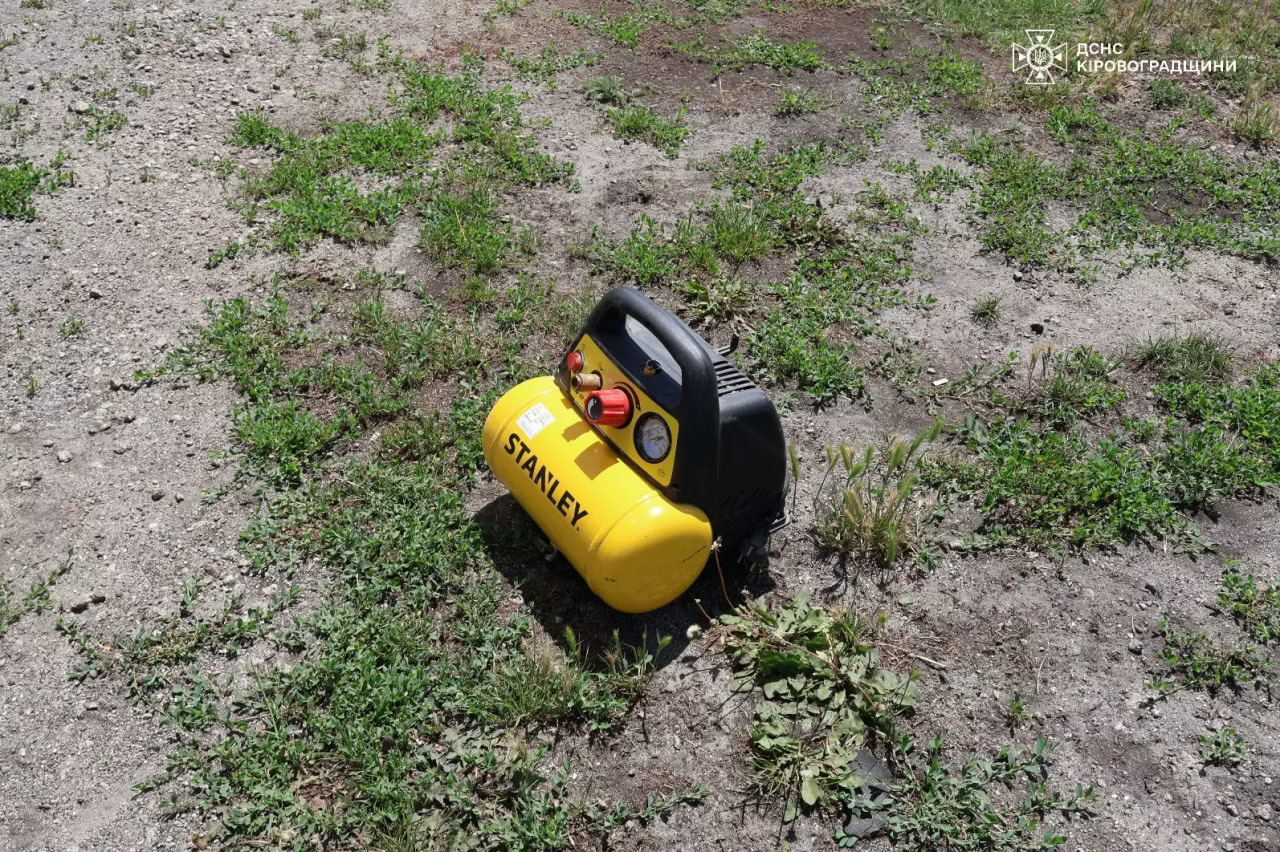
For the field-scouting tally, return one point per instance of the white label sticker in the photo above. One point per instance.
(535, 420)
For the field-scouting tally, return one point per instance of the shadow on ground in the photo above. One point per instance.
(559, 598)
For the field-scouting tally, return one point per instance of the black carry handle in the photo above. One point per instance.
(697, 458)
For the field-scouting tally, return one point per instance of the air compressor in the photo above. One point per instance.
(643, 453)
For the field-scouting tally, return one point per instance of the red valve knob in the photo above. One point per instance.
(574, 362)
(611, 407)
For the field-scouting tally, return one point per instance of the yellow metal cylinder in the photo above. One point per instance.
(636, 549)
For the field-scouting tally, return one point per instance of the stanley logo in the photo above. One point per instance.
(544, 479)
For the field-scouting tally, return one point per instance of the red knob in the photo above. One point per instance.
(611, 407)
(574, 362)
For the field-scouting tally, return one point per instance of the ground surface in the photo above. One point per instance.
(127, 491)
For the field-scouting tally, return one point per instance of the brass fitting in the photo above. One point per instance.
(585, 381)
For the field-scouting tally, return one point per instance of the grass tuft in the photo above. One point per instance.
(606, 90)
(1199, 356)
(986, 310)
(642, 123)
(798, 102)
(870, 510)
(756, 48)
(20, 183)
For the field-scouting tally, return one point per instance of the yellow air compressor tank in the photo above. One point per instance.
(636, 549)
(646, 446)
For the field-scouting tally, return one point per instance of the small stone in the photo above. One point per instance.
(937, 383)
(225, 50)
(1264, 813)
(120, 448)
(1152, 588)
(46, 443)
(157, 494)
(97, 597)
(64, 456)
(1017, 275)
(1135, 646)
(80, 107)
(15, 428)
(178, 498)
(862, 828)
(95, 293)
(80, 605)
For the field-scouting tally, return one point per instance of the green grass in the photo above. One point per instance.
(940, 805)
(413, 680)
(1152, 194)
(894, 86)
(624, 30)
(868, 512)
(798, 102)
(1195, 661)
(986, 310)
(71, 327)
(1198, 356)
(642, 123)
(1000, 23)
(507, 7)
(1075, 386)
(1168, 94)
(37, 598)
(1258, 121)
(786, 348)
(719, 299)
(606, 90)
(21, 182)
(1254, 606)
(101, 122)
(757, 49)
(549, 63)
(822, 696)
(465, 232)
(1225, 748)
(17, 186)
(308, 193)
(804, 327)
(1043, 486)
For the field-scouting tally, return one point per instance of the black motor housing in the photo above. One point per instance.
(730, 456)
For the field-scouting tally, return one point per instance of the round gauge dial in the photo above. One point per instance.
(653, 438)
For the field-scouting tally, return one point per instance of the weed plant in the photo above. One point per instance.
(867, 510)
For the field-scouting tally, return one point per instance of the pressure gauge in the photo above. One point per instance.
(653, 438)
